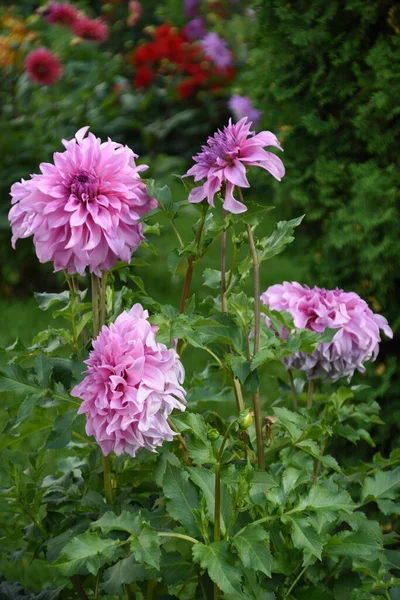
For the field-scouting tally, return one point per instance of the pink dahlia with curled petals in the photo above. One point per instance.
(43, 67)
(356, 342)
(83, 210)
(61, 13)
(92, 30)
(225, 158)
(131, 387)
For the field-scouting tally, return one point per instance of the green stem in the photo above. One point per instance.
(181, 440)
(299, 576)
(293, 390)
(181, 536)
(237, 388)
(177, 233)
(318, 463)
(95, 304)
(223, 270)
(217, 503)
(191, 261)
(130, 591)
(76, 582)
(310, 393)
(103, 299)
(257, 330)
(151, 588)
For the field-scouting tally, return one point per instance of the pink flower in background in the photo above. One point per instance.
(83, 210)
(135, 11)
(132, 385)
(241, 106)
(215, 49)
(92, 30)
(224, 160)
(356, 342)
(43, 67)
(61, 13)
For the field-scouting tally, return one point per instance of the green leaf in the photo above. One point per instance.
(212, 278)
(126, 521)
(61, 434)
(182, 498)
(323, 499)
(174, 568)
(311, 448)
(260, 484)
(205, 480)
(280, 238)
(14, 378)
(86, 552)
(46, 301)
(255, 213)
(383, 488)
(357, 545)
(292, 422)
(124, 571)
(253, 550)
(304, 537)
(145, 545)
(43, 370)
(240, 366)
(220, 565)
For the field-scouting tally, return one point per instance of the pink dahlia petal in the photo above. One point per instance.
(225, 158)
(83, 211)
(92, 30)
(357, 339)
(132, 385)
(232, 205)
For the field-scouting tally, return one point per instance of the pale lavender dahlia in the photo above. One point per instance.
(132, 385)
(241, 106)
(356, 342)
(224, 160)
(215, 49)
(83, 210)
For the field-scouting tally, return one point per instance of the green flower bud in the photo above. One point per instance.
(212, 434)
(245, 419)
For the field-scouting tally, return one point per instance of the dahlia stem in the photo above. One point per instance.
(75, 289)
(310, 393)
(191, 262)
(76, 582)
(98, 292)
(293, 390)
(95, 304)
(130, 591)
(223, 270)
(318, 463)
(257, 325)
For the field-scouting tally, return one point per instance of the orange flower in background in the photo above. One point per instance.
(14, 34)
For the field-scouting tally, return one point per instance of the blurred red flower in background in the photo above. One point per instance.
(43, 67)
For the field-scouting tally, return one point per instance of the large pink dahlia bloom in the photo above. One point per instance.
(224, 160)
(83, 210)
(132, 385)
(356, 342)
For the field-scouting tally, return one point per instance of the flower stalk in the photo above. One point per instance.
(293, 390)
(191, 262)
(256, 348)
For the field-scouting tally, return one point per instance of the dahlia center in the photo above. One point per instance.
(85, 183)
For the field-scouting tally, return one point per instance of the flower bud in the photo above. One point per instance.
(212, 434)
(245, 419)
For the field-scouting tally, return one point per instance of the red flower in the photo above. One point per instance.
(144, 77)
(43, 67)
(186, 88)
(61, 13)
(93, 30)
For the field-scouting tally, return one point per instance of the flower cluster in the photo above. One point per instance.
(83, 210)
(132, 385)
(43, 67)
(65, 14)
(172, 55)
(356, 342)
(15, 33)
(224, 160)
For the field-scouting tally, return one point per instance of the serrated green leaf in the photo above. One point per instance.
(323, 499)
(182, 498)
(220, 565)
(126, 521)
(385, 485)
(145, 546)
(61, 432)
(86, 552)
(174, 568)
(292, 422)
(312, 449)
(304, 537)
(125, 571)
(212, 278)
(260, 484)
(279, 239)
(14, 378)
(356, 545)
(43, 370)
(46, 301)
(253, 550)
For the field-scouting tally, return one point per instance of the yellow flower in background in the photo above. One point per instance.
(14, 33)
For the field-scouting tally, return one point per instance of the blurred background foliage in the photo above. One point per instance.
(325, 76)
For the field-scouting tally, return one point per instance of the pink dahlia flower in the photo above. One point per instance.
(92, 30)
(61, 13)
(83, 210)
(224, 160)
(356, 342)
(43, 67)
(132, 385)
